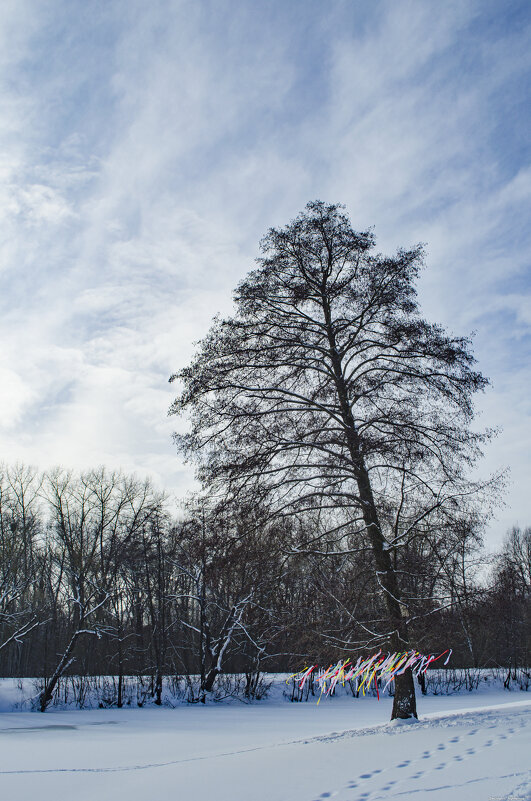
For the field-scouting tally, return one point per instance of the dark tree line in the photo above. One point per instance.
(98, 579)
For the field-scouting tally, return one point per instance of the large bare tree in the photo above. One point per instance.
(328, 389)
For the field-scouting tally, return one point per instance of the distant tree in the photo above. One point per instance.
(511, 599)
(158, 551)
(229, 561)
(328, 390)
(95, 518)
(516, 557)
(19, 528)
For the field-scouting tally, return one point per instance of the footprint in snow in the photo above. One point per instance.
(370, 775)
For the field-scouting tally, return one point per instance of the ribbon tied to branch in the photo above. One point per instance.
(377, 668)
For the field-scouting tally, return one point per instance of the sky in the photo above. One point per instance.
(145, 149)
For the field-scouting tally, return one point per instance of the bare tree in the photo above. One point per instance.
(158, 551)
(229, 558)
(327, 389)
(19, 528)
(511, 599)
(95, 517)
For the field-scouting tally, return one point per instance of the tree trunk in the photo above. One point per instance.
(404, 702)
(158, 687)
(65, 662)
(404, 705)
(210, 678)
(119, 702)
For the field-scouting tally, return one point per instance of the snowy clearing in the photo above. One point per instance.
(473, 746)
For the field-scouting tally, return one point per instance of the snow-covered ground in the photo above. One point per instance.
(467, 747)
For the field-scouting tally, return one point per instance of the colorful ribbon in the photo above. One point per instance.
(375, 668)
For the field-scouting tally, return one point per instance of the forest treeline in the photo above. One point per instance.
(98, 577)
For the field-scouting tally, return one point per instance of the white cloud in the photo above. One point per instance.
(15, 398)
(149, 147)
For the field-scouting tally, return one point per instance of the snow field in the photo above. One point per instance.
(472, 747)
